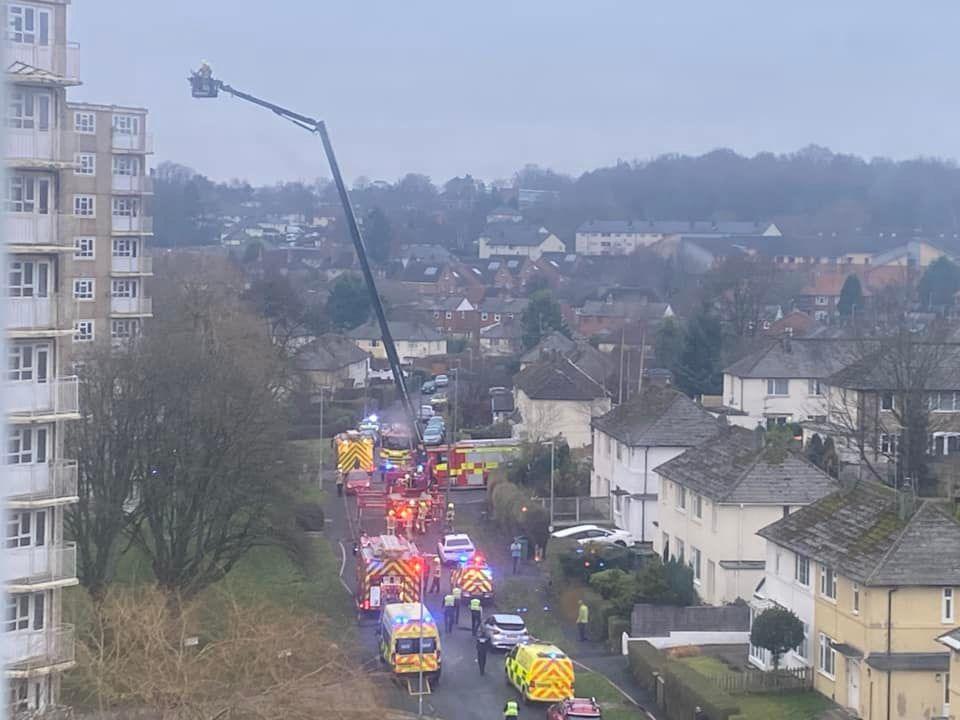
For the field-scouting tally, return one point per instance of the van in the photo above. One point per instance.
(541, 672)
(406, 643)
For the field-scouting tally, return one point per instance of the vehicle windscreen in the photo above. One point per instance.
(458, 543)
(411, 646)
(510, 626)
(396, 442)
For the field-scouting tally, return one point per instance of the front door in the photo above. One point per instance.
(853, 685)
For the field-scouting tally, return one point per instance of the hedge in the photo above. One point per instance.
(616, 627)
(516, 513)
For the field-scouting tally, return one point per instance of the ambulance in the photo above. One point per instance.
(474, 578)
(541, 672)
(409, 642)
(388, 571)
(354, 451)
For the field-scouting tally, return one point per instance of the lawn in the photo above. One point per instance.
(525, 599)
(615, 706)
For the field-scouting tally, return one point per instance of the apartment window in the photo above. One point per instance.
(813, 388)
(29, 109)
(126, 207)
(84, 248)
(801, 570)
(126, 165)
(698, 506)
(123, 329)
(886, 401)
(27, 278)
(855, 603)
(483, 316)
(83, 288)
(26, 363)
(85, 123)
(83, 331)
(778, 386)
(695, 562)
(680, 550)
(27, 528)
(26, 445)
(828, 659)
(28, 25)
(946, 606)
(123, 288)
(86, 164)
(84, 205)
(828, 583)
(18, 613)
(126, 124)
(681, 497)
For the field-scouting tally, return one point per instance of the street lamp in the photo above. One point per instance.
(551, 443)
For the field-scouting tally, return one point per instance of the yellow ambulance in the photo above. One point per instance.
(541, 672)
(407, 644)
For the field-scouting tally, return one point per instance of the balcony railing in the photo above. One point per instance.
(36, 649)
(137, 265)
(132, 184)
(139, 143)
(56, 396)
(131, 306)
(38, 565)
(36, 313)
(62, 60)
(32, 229)
(132, 224)
(41, 481)
(32, 145)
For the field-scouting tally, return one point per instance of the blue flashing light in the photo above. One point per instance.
(373, 418)
(546, 608)
(579, 551)
(420, 468)
(463, 558)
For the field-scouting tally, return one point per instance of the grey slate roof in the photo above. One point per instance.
(518, 234)
(619, 309)
(674, 227)
(400, 329)
(910, 661)
(951, 639)
(555, 342)
(328, 353)
(658, 417)
(795, 358)
(859, 533)
(557, 380)
(883, 370)
(422, 272)
(730, 469)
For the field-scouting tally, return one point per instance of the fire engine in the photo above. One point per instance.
(474, 577)
(389, 569)
(354, 451)
(468, 462)
(395, 443)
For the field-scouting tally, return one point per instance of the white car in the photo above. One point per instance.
(584, 534)
(455, 548)
(441, 381)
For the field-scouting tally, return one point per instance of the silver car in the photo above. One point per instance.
(505, 631)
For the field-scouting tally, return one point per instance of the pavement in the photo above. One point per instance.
(462, 694)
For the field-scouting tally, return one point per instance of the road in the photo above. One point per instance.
(462, 694)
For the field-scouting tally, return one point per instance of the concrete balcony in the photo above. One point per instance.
(37, 483)
(45, 565)
(33, 230)
(125, 142)
(31, 651)
(61, 60)
(36, 313)
(30, 399)
(139, 224)
(131, 265)
(132, 184)
(32, 148)
(136, 306)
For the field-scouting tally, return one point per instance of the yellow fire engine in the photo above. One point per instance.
(354, 451)
(389, 569)
(474, 578)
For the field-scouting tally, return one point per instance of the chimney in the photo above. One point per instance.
(759, 437)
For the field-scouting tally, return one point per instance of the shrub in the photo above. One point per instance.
(645, 660)
(686, 689)
(619, 588)
(776, 629)
(582, 561)
(516, 513)
(617, 625)
(669, 583)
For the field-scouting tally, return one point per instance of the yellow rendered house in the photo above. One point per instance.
(952, 687)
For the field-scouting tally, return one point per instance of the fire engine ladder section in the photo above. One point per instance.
(368, 499)
(204, 85)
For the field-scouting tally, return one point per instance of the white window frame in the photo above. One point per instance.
(814, 388)
(85, 206)
(30, 109)
(801, 570)
(126, 247)
(855, 599)
(86, 164)
(124, 328)
(448, 315)
(17, 615)
(820, 300)
(26, 445)
(698, 506)
(828, 583)
(25, 27)
(29, 278)
(126, 124)
(947, 606)
(803, 649)
(886, 401)
(124, 288)
(131, 162)
(28, 362)
(83, 331)
(681, 498)
(681, 550)
(484, 316)
(695, 562)
(125, 206)
(84, 289)
(774, 383)
(84, 122)
(84, 247)
(826, 657)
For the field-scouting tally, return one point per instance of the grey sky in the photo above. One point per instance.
(451, 87)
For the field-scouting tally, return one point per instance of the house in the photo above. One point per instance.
(518, 239)
(412, 339)
(633, 439)
(951, 689)
(431, 278)
(453, 316)
(784, 381)
(500, 309)
(504, 213)
(820, 297)
(716, 496)
(555, 397)
(623, 237)
(333, 361)
(795, 324)
(883, 569)
(597, 316)
(593, 363)
(501, 339)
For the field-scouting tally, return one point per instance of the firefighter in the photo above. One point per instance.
(476, 614)
(457, 601)
(449, 610)
(511, 710)
(401, 522)
(451, 514)
(391, 523)
(423, 509)
(340, 484)
(436, 572)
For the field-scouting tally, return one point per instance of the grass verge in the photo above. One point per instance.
(614, 705)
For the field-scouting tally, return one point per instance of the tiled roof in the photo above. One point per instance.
(399, 329)
(503, 305)
(557, 380)
(673, 227)
(328, 353)
(518, 234)
(658, 416)
(937, 366)
(860, 533)
(422, 272)
(555, 342)
(731, 469)
(502, 330)
(620, 309)
(795, 358)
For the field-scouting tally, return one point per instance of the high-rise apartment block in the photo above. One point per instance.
(75, 227)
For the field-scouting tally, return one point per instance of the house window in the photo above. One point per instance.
(125, 247)
(26, 445)
(83, 288)
(681, 497)
(83, 248)
(123, 288)
(944, 401)
(126, 124)
(801, 570)
(698, 506)
(83, 331)
(946, 606)
(828, 658)
(828, 583)
(888, 443)
(886, 401)
(695, 562)
(126, 207)
(496, 317)
(802, 648)
(85, 123)
(778, 386)
(86, 164)
(821, 300)
(124, 328)
(619, 451)
(608, 444)
(128, 165)
(84, 205)
(436, 314)
(821, 316)
(776, 563)
(813, 388)
(680, 549)
(666, 547)
(856, 599)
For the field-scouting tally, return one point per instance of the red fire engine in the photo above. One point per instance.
(389, 570)
(468, 462)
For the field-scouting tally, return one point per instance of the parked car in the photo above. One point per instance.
(428, 388)
(433, 436)
(455, 548)
(505, 631)
(356, 480)
(441, 381)
(440, 398)
(584, 534)
(426, 412)
(436, 422)
(574, 709)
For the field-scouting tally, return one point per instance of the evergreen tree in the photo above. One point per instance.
(541, 317)
(378, 236)
(814, 450)
(851, 297)
(699, 371)
(939, 284)
(778, 630)
(348, 305)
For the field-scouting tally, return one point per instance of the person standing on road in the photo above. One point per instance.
(391, 523)
(483, 644)
(457, 601)
(451, 514)
(476, 615)
(340, 484)
(516, 549)
(436, 572)
(448, 611)
(583, 617)
(511, 710)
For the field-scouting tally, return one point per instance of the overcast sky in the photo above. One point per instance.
(446, 88)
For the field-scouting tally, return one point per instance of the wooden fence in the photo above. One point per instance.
(758, 681)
